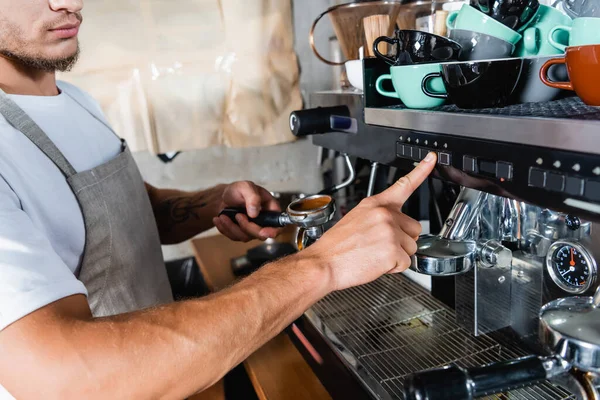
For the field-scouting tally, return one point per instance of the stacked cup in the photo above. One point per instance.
(498, 52)
(581, 42)
(417, 54)
(451, 69)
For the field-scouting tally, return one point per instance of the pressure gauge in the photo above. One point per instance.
(571, 267)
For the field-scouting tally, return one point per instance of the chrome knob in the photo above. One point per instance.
(493, 254)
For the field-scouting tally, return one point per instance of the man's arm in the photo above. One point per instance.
(182, 215)
(168, 352)
(178, 349)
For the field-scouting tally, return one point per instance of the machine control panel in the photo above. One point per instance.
(570, 181)
(417, 153)
(561, 183)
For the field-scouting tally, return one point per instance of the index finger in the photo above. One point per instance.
(400, 191)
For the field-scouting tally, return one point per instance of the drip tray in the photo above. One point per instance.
(390, 328)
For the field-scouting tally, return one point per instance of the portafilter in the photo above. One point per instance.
(570, 331)
(309, 214)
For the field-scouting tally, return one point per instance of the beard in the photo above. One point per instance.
(64, 64)
(18, 50)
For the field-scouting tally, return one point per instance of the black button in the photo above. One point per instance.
(573, 223)
(423, 154)
(487, 167)
(555, 182)
(399, 149)
(416, 154)
(469, 164)
(504, 170)
(444, 158)
(592, 190)
(574, 186)
(537, 178)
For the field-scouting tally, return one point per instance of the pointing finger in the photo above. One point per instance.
(400, 191)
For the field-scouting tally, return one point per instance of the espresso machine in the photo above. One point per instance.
(521, 234)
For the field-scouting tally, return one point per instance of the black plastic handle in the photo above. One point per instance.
(388, 40)
(426, 80)
(266, 219)
(456, 383)
(315, 121)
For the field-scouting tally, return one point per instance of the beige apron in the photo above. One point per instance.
(122, 266)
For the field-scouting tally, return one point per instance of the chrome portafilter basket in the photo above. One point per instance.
(570, 331)
(309, 215)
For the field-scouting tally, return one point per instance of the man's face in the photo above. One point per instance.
(41, 34)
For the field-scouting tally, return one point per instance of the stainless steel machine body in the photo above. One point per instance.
(522, 233)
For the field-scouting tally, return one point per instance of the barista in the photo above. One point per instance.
(85, 304)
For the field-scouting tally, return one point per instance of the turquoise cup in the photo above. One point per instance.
(536, 38)
(471, 19)
(582, 32)
(407, 82)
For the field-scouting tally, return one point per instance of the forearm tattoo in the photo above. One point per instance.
(179, 210)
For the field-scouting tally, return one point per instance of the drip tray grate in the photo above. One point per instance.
(391, 327)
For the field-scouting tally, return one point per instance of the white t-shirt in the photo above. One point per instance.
(42, 233)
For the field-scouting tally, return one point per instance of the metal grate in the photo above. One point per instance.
(392, 327)
(570, 107)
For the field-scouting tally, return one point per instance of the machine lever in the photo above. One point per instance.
(266, 219)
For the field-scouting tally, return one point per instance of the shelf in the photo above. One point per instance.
(565, 124)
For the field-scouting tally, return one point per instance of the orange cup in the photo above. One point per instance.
(583, 65)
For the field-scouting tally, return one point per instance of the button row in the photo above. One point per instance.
(557, 182)
(501, 170)
(419, 153)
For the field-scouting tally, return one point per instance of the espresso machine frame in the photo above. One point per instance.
(361, 342)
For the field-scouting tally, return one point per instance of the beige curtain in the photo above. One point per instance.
(187, 74)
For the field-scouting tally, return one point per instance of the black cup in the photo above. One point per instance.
(515, 14)
(417, 47)
(478, 84)
(479, 46)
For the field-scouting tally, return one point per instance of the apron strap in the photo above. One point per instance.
(22, 122)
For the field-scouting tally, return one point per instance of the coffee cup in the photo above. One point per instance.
(536, 37)
(531, 89)
(477, 84)
(479, 46)
(471, 19)
(583, 31)
(354, 71)
(580, 8)
(415, 47)
(583, 65)
(516, 14)
(407, 84)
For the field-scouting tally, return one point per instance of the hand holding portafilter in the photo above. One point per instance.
(309, 214)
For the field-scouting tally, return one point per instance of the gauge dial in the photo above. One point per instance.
(571, 267)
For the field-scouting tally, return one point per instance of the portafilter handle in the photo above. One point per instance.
(266, 219)
(453, 382)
